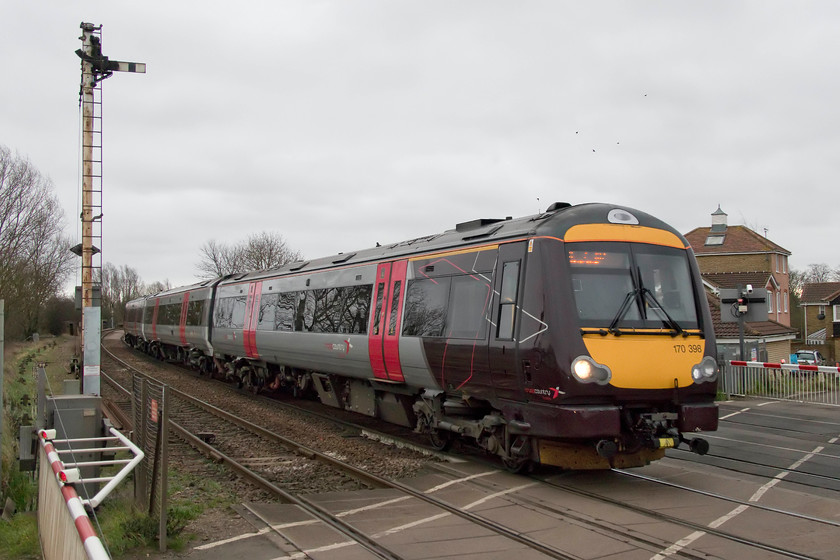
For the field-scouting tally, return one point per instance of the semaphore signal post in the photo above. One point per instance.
(95, 68)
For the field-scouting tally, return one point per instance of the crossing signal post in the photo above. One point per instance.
(95, 68)
(741, 305)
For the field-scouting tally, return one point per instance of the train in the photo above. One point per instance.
(579, 337)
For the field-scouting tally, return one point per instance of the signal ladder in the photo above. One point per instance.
(91, 215)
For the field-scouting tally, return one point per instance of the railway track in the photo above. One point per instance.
(188, 425)
(616, 531)
(653, 514)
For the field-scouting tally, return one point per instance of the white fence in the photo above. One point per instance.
(792, 382)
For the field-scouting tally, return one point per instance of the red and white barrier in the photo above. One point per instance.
(87, 534)
(790, 367)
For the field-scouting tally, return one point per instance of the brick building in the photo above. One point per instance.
(820, 305)
(734, 257)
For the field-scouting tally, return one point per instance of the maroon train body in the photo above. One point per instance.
(579, 337)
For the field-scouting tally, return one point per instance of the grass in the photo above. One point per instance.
(20, 535)
(126, 530)
(20, 538)
(123, 529)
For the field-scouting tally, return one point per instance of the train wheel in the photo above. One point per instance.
(441, 440)
(254, 383)
(516, 465)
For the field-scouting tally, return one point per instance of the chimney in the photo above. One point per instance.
(718, 221)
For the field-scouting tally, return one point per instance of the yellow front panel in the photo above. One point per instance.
(621, 232)
(646, 361)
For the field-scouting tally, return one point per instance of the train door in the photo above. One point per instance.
(252, 317)
(503, 348)
(182, 322)
(155, 319)
(385, 324)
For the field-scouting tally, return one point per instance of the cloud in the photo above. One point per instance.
(342, 124)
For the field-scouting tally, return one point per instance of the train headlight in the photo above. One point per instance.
(706, 370)
(587, 370)
(620, 216)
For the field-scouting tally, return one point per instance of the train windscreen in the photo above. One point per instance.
(632, 285)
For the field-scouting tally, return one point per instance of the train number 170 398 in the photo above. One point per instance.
(688, 348)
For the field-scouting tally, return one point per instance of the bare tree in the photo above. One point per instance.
(818, 273)
(34, 260)
(218, 259)
(797, 280)
(119, 286)
(156, 287)
(260, 251)
(132, 284)
(266, 250)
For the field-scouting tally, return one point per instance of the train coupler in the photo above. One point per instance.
(696, 445)
(665, 442)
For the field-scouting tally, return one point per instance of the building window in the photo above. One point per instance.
(715, 239)
(837, 313)
(769, 301)
(779, 302)
(787, 301)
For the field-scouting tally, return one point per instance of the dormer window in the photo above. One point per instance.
(715, 239)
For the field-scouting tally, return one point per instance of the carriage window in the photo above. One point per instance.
(230, 313)
(631, 285)
(354, 316)
(468, 303)
(380, 294)
(306, 311)
(507, 300)
(195, 312)
(223, 313)
(237, 320)
(327, 310)
(286, 311)
(426, 301)
(395, 304)
(169, 314)
(268, 305)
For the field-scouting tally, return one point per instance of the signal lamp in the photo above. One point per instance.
(46, 434)
(69, 476)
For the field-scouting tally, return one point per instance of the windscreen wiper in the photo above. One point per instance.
(647, 294)
(629, 300)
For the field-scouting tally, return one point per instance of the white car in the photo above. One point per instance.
(809, 358)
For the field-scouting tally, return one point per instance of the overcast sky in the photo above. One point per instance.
(340, 124)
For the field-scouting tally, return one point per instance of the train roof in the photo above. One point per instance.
(555, 221)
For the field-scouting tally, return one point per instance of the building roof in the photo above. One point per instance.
(819, 293)
(817, 337)
(759, 329)
(737, 279)
(732, 239)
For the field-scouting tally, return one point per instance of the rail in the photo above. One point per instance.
(790, 382)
